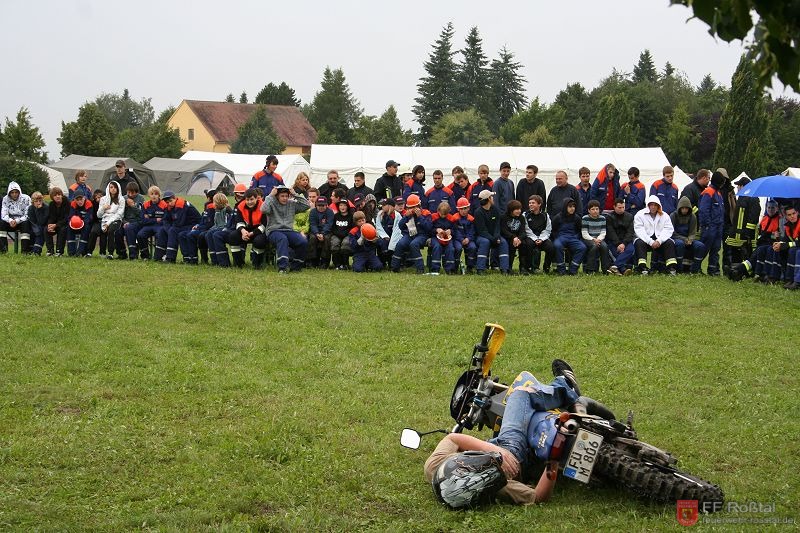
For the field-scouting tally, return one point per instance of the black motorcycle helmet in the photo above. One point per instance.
(469, 479)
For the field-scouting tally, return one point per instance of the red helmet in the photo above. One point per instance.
(412, 201)
(76, 222)
(368, 232)
(240, 187)
(462, 202)
(443, 238)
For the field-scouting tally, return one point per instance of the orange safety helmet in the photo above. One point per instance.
(443, 237)
(240, 187)
(462, 202)
(368, 232)
(412, 201)
(76, 223)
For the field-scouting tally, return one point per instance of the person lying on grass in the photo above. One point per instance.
(463, 478)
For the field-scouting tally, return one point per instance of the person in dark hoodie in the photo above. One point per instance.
(514, 229)
(487, 234)
(37, 216)
(620, 237)
(390, 185)
(567, 231)
(131, 222)
(689, 250)
(57, 218)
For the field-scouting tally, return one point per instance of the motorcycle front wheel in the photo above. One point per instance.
(654, 482)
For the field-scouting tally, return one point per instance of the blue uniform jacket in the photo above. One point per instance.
(711, 209)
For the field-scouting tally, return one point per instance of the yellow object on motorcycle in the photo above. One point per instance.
(495, 335)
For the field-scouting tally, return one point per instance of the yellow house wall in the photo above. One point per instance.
(183, 119)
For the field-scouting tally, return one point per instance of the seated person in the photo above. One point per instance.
(340, 229)
(689, 250)
(442, 240)
(768, 233)
(593, 232)
(783, 256)
(248, 229)
(487, 233)
(654, 231)
(215, 236)
(514, 229)
(37, 217)
(179, 218)
(387, 224)
(280, 207)
(464, 236)
(80, 216)
(152, 221)
(541, 228)
(14, 218)
(567, 231)
(620, 237)
(416, 228)
(57, 218)
(320, 222)
(364, 244)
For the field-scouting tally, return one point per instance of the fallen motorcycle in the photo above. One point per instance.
(586, 441)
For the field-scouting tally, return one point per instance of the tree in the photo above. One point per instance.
(91, 134)
(256, 135)
(680, 139)
(614, 124)
(277, 95)
(528, 120)
(775, 48)
(508, 94)
(383, 131)
(541, 136)
(461, 128)
(230, 99)
(123, 112)
(22, 140)
(165, 115)
(473, 89)
(437, 94)
(29, 176)
(575, 102)
(577, 134)
(645, 69)
(155, 140)
(668, 71)
(785, 129)
(334, 109)
(243, 98)
(744, 142)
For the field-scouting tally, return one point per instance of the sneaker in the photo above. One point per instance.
(282, 271)
(614, 270)
(791, 286)
(88, 255)
(562, 368)
(109, 256)
(644, 272)
(49, 254)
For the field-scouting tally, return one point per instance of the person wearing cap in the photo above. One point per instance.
(442, 245)
(416, 183)
(340, 229)
(531, 185)
(122, 175)
(487, 234)
(291, 247)
(387, 225)
(666, 190)
(606, 188)
(153, 211)
(359, 187)
(194, 241)
(689, 250)
(711, 217)
(740, 235)
(333, 182)
(179, 218)
(248, 229)
(503, 188)
(364, 244)
(57, 219)
(484, 183)
(14, 217)
(560, 192)
(266, 178)
(439, 193)
(78, 234)
(416, 228)
(320, 222)
(633, 192)
(654, 231)
(567, 236)
(541, 227)
(390, 185)
(769, 232)
(81, 176)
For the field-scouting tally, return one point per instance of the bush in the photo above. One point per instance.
(30, 177)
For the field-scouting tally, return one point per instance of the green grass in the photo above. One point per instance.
(140, 395)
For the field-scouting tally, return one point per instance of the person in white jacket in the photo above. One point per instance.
(109, 213)
(654, 231)
(14, 218)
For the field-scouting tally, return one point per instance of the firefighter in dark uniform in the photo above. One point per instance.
(742, 231)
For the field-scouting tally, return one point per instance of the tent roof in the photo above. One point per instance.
(245, 165)
(792, 171)
(55, 177)
(100, 168)
(190, 166)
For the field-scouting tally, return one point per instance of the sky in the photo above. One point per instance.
(58, 55)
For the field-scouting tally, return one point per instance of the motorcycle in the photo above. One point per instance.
(585, 441)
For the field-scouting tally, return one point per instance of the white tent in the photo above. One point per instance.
(349, 159)
(792, 171)
(55, 178)
(245, 165)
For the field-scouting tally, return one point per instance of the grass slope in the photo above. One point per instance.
(139, 395)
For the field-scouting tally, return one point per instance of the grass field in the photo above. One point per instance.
(140, 395)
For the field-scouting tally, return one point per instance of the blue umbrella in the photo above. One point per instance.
(773, 187)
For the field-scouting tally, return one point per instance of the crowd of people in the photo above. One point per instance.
(601, 226)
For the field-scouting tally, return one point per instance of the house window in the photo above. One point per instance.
(191, 134)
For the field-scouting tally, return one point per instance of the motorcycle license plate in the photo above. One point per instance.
(583, 456)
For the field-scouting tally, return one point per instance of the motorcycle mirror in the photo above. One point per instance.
(410, 439)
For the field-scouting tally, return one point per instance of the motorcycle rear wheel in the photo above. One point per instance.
(656, 483)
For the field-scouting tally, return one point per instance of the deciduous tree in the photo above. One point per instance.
(91, 134)
(22, 140)
(461, 128)
(257, 136)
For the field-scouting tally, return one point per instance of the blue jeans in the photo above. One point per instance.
(520, 407)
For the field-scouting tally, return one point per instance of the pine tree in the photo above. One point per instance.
(669, 70)
(744, 143)
(277, 95)
(22, 140)
(615, 123)
(645, 69)
(257, 136)
(230, 99)
(437, 94)
(706, 86)
(507, 84)
(472, 80)
(334, 111)
(680, 139)
(92, 134)
(576, 103)
(243, 97)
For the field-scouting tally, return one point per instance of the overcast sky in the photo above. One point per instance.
(59, 54)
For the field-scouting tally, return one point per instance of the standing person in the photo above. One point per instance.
(280, 210)
(390, 185)
(131, 222)
(267, 178)
(460, 184)
(620, 237)
(179, 218)
(153, 211)
(301, 184)
(417, 228)
(484, 183)
(332, 183)
(666, 190)
(464, 236)
(37, 217)
(742, 232)
(81, 176)
(487, 234)
(57, 218)
(606, 188)
(416, 184)
(584, 190)
(439, 193)
(122, 175)
(689, 251)
(567, 232)
(729, 207)
(519, 237)
(109, 213)
(359, 187)
(14, 218)
(654, 231)
(215, 236)
(633, 192)
(560, 192)
(593, 232)
(531, 185)
(541, 228)
(503, 188)
(711, 217)
(696, 188)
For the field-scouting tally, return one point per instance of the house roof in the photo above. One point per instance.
(223, 119)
